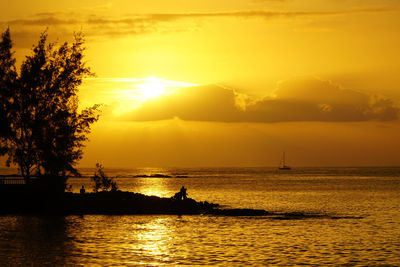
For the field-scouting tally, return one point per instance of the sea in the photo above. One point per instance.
(356, 222)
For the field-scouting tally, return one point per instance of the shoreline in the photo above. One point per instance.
(129, 203)
(24, 201)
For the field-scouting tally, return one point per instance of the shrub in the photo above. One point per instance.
(102, 181)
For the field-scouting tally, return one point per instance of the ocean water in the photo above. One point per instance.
(361, 226)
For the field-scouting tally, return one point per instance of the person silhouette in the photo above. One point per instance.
(83, 190)
(183, 193)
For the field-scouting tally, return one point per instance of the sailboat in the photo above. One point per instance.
(283, 165)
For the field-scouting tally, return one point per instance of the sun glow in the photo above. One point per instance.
(152, 87)
(126, 94)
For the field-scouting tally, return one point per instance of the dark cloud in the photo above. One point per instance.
(47, 18)
(43, 21)
(306, 100)
(261, 1)
(200, 103)
(142, 23)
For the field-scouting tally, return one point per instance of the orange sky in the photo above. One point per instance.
(231, 83)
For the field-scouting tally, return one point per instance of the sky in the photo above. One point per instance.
(231, 83)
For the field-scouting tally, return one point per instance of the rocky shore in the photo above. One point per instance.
(120, 202)
(20, 200)
(17, 199)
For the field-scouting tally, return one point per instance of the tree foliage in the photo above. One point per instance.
(45, 131)
(8, 76)
(102, 181)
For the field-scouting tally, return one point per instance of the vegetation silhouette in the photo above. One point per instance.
(8, 77)
(102, 181)
(42, 131)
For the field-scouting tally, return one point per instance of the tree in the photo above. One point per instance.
(102, 181)
(8, 76)
(47, 132)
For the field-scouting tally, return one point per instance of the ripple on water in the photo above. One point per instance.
(360, 223)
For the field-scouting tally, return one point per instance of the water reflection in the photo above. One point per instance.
(368, 237)
(154, 240)
(154, 186)
(35, 240)
(208, 240)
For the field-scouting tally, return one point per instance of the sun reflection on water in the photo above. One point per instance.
(153, 239)
(155, 187)
(367, 235)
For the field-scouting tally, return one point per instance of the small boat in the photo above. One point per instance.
(283, 165)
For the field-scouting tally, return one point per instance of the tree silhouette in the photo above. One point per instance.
(102, 181)
(8, 76)
(46, 133)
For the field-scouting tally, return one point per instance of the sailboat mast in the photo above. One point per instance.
(283, 166)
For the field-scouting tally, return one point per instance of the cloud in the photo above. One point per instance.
(133, 24)
(199, 103)
(51, 18)
(294, 100)
(261, 1)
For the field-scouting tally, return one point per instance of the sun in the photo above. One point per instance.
(152, 87)
(127, 94)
